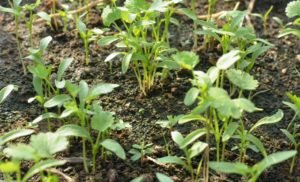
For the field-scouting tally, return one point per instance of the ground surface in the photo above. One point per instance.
(276, 72)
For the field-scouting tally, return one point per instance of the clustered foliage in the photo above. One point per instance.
(219, 97)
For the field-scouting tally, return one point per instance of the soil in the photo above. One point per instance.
(276, 71)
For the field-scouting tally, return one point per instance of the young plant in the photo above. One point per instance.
(292, 11)
(102, 122)
(4, 92)
(211, 8)
(140, 151)
(30, 8)
(85, 35)
(16, 10)
(252, 173)
(40, 150)
(145, 39)
(189, 151)
(294, 134)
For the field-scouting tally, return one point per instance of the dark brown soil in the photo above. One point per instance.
(276, 72)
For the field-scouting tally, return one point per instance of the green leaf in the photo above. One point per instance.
(21, 152)
(44, 43)
(163, 178)
(272, 159)
(245, 105)
(73, 130)
(9, 10)
(187, 60)
(83, 91)
(11, 135)
(228, 167)
(136, 6)
(110, 15)
(289, 136)
(38, 85)
(44, 16)
(73, 89)
(4, 92)
(292, 9)
(189, 13)
(191, 96)
(41, 166)
(81, 26)
(101, 88)
(125, 62)
(228, 60)
(192, 137)
(257, 143)
(57, 100)
(159, 5)
(107, 40)
(229, 131)
(40, 71)
(191, 117)
(172, 160)
(197, 148)
(63, 66)
(242, 79)
(138, 179)
(47, 144)
(9, 167)
(112, 56)
(177, 137)
(115, 147)
(102, 121)
(44, 116)
(269, 119)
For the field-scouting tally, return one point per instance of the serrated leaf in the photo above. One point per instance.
(242, 79)
(187, 60)
(47, 144)
(110, 15)
(21, 152)
(293, 9)
(102, 121)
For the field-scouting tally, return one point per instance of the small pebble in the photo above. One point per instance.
(298, 58)
(283, 71)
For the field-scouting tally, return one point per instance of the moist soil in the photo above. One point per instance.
(276, 71)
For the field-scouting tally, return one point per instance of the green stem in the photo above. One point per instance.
(18, 45)
(84, 156)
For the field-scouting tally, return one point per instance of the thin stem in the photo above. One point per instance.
(84, 156)
(18, 44)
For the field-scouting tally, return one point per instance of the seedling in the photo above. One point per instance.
(140, 151)
(252, 173)
(30, 8)
(189, 152)
(145, 41)
(211, 7)
(292, 11)
(85, 35)
(16, 10)
(40, 150)
(264, 17)
(294, 134)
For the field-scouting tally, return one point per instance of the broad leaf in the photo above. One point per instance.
(292, 9)
(44, 116)
(57, 100)
(21, 152)
(229, 131)
(47, 144)
(9, 167)
(192, 137)
(242, 79)
(110, 15)
(197, 149)
(107, 40)
(102, 121)
(63, 66)
(73, 130)
(115, 147)
(187, 60)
